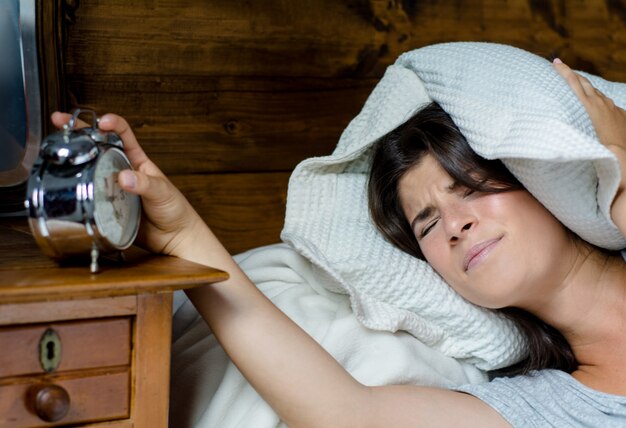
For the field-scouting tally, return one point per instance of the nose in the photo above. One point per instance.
(457, 224)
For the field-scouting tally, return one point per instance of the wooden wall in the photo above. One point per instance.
(228, 96)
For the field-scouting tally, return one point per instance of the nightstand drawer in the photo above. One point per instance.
(70, 345)
(100, 395)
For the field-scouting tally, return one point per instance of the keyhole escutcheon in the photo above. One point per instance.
(50, 350)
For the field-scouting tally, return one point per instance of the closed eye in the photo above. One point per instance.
(426, 230)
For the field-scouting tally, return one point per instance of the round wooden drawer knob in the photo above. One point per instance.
(51, 402)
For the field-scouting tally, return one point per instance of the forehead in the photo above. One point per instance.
(419, 181)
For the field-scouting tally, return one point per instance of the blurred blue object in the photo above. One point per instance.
(20, 115)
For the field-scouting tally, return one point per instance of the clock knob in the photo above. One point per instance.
(51, 402)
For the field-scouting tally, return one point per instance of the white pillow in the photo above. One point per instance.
(510, 105)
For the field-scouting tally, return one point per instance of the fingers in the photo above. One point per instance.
(599, 93)
(138, 158)
(572, 78)
(113, 123)
(153, 189)
(59, 119)
(587, 86)
(581, 86)
(609, 120)
(117, 124)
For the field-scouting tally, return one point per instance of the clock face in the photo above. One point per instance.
(116, 212)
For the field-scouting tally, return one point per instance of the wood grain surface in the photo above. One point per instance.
(28, 275)
(216, 89)
(110, 385)
(84, 345)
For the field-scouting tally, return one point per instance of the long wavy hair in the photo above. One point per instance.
(432, 131)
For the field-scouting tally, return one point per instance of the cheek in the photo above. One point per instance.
(437, 254)
(536, 227)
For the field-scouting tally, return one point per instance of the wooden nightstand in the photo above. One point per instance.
(83, 349)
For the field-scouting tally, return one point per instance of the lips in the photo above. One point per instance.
(478, 252)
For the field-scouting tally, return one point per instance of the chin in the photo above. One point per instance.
(491, 291)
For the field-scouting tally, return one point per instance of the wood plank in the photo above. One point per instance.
(15, 234)
(38, 279)
(125, 423)
(34, 312)
(191, 124)
(150, 274)
(151, 361)
(95, 395)
(261, 38)
(50, 33)
(83, 345)
(327, 38)
(243, 210)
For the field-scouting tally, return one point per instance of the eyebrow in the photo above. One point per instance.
(422, 215)
(428, 211)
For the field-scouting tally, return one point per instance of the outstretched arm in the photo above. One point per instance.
(302, 382)
(609, 122)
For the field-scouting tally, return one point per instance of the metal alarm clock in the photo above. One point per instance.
(75, 205)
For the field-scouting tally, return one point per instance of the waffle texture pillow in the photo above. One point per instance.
(510, 105)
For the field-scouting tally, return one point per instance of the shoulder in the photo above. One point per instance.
(543, 396)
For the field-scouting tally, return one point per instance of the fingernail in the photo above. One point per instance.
(104, 120)
(128, 179)
(557, 61)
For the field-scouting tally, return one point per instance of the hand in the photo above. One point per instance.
(168, 218)
(608, 119)
(609, 122)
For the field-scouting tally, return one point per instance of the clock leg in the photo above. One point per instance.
(94, 259)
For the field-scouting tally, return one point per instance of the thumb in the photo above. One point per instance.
(153, 189)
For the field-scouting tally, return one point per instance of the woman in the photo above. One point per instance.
(429, 148)
(470, 238)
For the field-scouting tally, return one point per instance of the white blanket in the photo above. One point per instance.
(510, 105)
(207, 389)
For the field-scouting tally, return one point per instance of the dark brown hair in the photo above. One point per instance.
(432, 131)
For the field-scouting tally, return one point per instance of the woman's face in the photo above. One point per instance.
(495, 249)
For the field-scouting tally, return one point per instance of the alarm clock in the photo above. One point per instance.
(75, 205)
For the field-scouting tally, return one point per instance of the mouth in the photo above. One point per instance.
(478, 253)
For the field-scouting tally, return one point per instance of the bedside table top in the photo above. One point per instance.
(27, 275)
